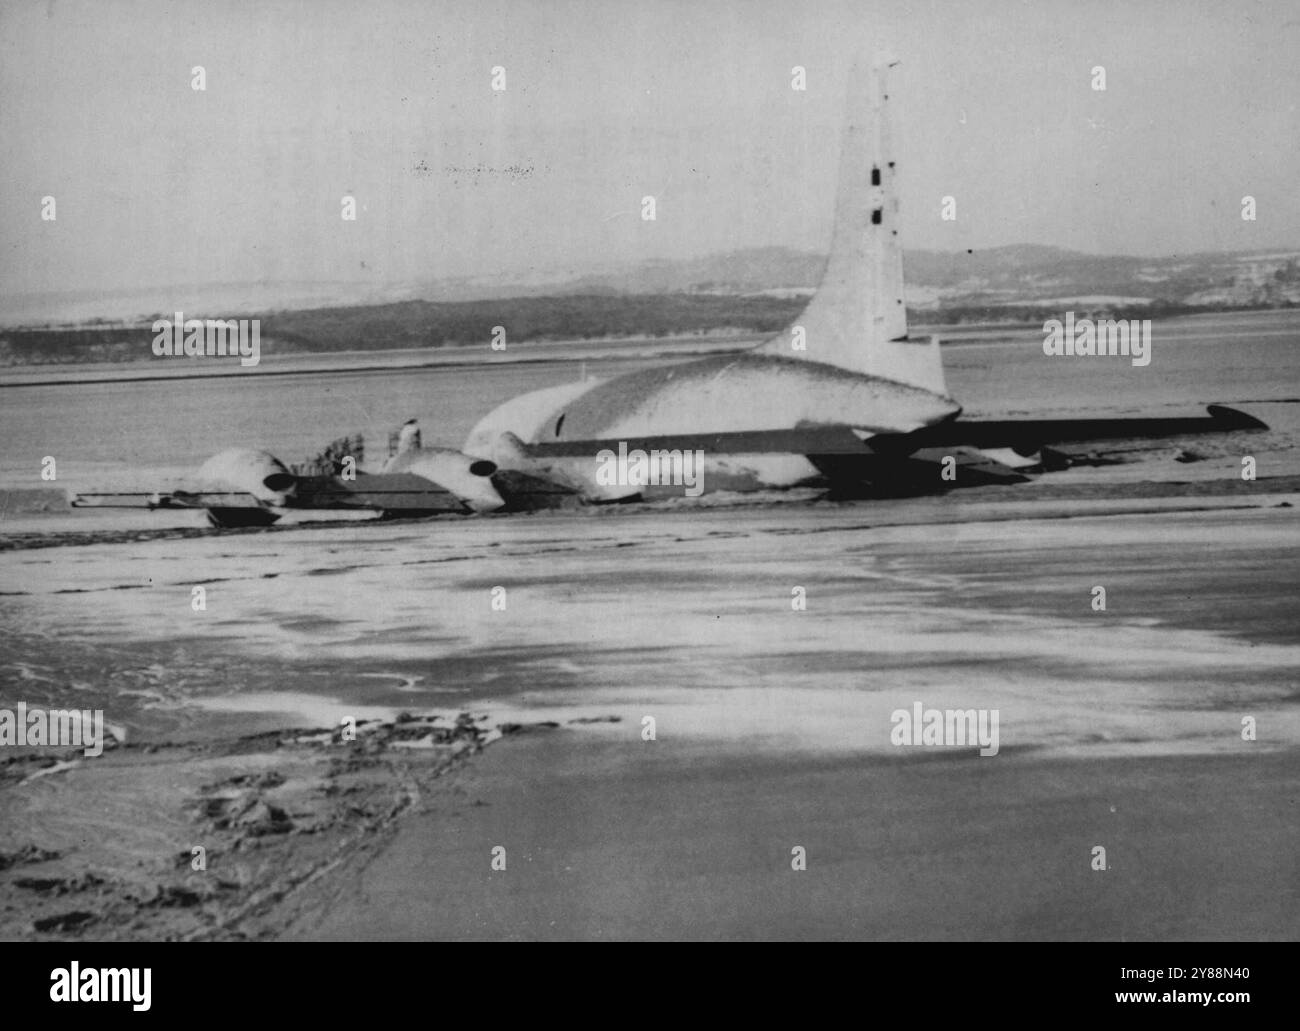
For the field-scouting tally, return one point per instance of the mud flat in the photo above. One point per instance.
(670, 841)
(1119, 728)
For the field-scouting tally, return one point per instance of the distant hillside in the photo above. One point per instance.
(742, 272)
(1021, 274)
(935, 280)
(1028, 274)
(427, 324)
(756, 290)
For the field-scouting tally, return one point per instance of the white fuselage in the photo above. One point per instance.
(720, 394)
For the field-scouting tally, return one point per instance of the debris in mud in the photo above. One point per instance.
(58, 885)
(73, 921)
(246, 821)
(523, 728)
(262, 818)
(26, 854)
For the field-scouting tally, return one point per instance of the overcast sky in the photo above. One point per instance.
(609, 100)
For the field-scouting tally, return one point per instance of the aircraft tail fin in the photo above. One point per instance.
(858, 318)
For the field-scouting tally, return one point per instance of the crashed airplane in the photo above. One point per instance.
(844, 399)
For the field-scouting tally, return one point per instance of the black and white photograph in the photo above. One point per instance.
(642, 470)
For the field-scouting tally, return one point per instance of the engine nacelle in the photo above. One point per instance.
(255, 472)
(470, 479)
(575, 474)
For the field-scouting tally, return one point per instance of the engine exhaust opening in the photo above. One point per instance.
(482, 467)
(279, 481)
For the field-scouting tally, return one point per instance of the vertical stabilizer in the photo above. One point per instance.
(858, 319)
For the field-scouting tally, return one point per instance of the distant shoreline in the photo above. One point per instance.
(541, 351)
(343, 362)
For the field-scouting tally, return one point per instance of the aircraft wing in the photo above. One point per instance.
(1023, 436)
(983, 452)
(394, 492)
(1026, 436)
(389, 492)
(164, 499)
(841, 453)
(802, 440)
(397, 492)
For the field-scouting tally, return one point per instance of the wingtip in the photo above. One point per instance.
(1234, 419)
